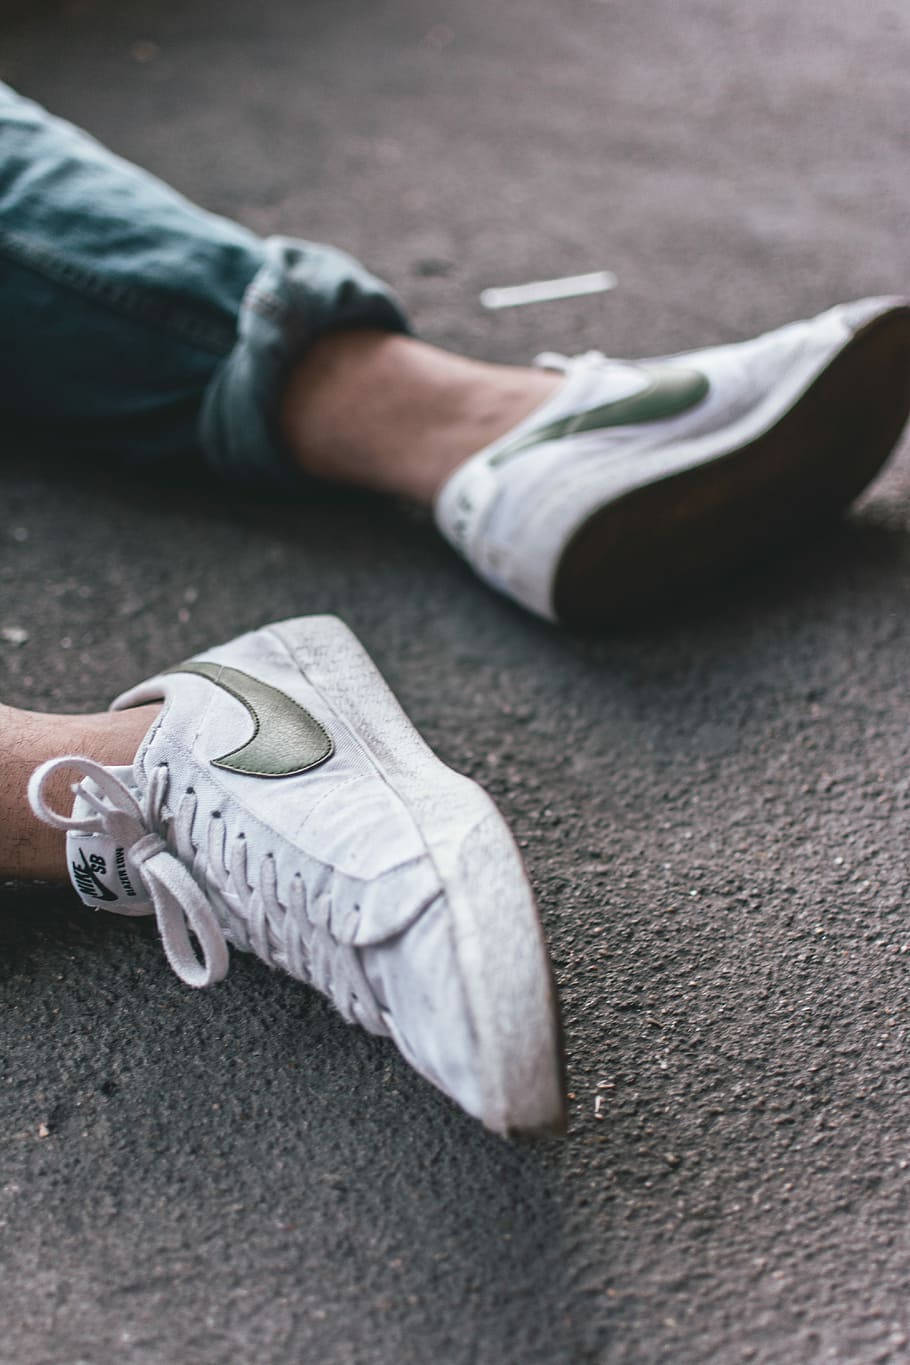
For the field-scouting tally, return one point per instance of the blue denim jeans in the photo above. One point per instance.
(136, 325)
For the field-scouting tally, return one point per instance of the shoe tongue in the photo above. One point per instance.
(178, 698)
(97, 863)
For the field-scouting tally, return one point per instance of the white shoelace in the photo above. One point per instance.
(293, 933)
(179, 904)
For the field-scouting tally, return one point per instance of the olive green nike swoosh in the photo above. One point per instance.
(286, 739)
(671, 390)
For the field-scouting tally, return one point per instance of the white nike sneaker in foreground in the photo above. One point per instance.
(639, 476)
(283, 802)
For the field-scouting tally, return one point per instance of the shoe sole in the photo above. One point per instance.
(647, 547)
(506, 976)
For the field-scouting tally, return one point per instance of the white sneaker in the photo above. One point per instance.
(640, 475)
(283, 802)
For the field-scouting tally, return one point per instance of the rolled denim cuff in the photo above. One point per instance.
(302, 291)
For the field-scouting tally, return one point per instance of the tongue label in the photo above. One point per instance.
(99, 872)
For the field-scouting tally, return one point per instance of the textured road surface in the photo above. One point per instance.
(714, 808)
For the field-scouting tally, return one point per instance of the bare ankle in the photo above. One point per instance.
(30, 850)
(390, 413)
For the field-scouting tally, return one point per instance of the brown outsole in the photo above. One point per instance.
(646, 548)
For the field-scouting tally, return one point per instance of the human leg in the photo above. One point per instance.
(390, 413)
(137, 326)
(370, 870)
(182, 334)
(628, 481)
(30, 849)
(148, 329)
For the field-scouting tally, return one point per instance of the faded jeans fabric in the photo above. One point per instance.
(135, 325)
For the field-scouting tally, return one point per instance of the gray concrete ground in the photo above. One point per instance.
(714, 808)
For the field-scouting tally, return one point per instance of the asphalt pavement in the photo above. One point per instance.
(714, 807)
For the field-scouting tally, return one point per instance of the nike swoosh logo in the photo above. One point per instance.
(670, 391)
(88, 881)
(286, 739)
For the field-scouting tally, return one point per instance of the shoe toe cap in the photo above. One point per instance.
(417, 979)
(467, 992)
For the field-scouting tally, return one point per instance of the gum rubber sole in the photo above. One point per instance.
(647, 547)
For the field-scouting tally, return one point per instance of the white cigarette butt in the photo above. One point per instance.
(539, 291)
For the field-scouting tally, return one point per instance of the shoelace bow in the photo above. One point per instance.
(178, 903)
(258, 919)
